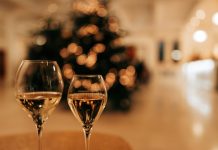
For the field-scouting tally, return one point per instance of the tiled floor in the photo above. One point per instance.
(167, 114)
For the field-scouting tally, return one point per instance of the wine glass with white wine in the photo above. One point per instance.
(39, 88)
(87, 97)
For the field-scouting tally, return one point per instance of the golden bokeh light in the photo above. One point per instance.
(130, 70)
(64, 53)
(81, 60)
(99, 48)
(110, 78)
(41, 40)
(101, 11)
(79, 51)
(88, 30)
(77, 84)
(122, 72)
(91, 60)
(68, 71)
(72, 47)
(87, 84)
(124, 80)
(95, 87)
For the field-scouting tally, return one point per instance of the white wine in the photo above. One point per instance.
(87, 107)
(39, 104)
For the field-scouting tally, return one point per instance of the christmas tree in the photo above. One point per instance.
(90, 42)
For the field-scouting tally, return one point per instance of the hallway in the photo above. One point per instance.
(166, 115)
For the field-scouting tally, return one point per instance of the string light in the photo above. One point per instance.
(88, 30)
(200, 36)
(64, 53)
(130, 71)
(215, 18)
(124, 80)
(72, 47)
(110, 78)
(81, 60)
(127, 76)
(101, 11)
(77, 84)
(91, 60)
(40, 40)
(95, 87)
(68, 71)
(87, 84)
(113, 24)
(79, 51)
(99, 48)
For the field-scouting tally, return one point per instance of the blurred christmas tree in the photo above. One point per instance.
(91, 43)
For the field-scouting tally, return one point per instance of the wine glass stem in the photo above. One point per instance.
(87, 133)
(39, 132)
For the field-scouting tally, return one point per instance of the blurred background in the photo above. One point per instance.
(158, 59)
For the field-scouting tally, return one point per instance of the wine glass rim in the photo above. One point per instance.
(87, 75)
(39, 61)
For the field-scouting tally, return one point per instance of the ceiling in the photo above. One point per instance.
(136, 16)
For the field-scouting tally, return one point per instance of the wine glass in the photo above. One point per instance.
(39, 88)
(87, 97)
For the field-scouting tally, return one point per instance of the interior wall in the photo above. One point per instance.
(205, 49)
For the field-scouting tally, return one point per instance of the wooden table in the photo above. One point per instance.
(63, 141)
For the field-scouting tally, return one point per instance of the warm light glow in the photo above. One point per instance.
(87, 84)
(99, 48)
(122, 72)
(72, 48)
(77, 83)
(88, 30)
(64, 53)
(200, 36)
(110, 78)
(102, 12)
(95, 87)
(40, 40)
(127, 76)
(215, 18)
(124, 80)
(91, 60)
(79, 51)
(130, 70)
(81, 60)
(86, 7)
(68, 71)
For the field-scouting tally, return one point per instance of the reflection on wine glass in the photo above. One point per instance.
(39, 88)
(87, 97)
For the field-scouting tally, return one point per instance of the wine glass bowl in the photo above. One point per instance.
(87, 98)
(39, 88)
